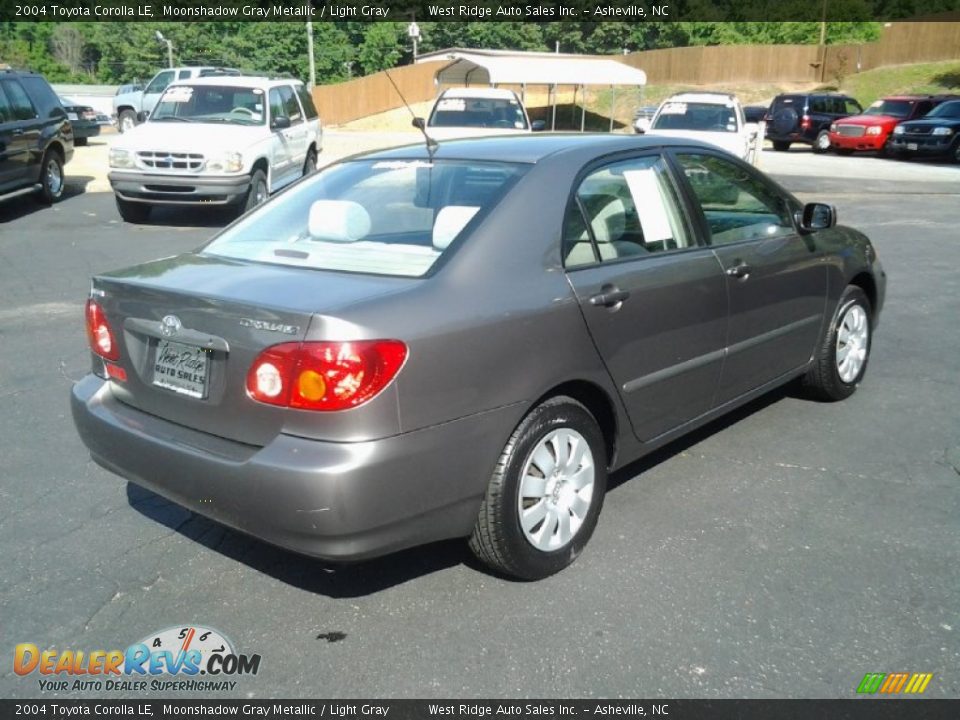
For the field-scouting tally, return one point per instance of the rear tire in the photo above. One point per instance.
(841, 360)
(781, 145)
(133, 212)
(545, 494)
(822, 142)
(52, 179)
(310, 164)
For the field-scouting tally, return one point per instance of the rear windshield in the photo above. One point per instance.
(386, 217)
(696, 116)
(210, 104)
(478, 112)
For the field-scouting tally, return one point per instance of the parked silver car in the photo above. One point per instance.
(421, 344)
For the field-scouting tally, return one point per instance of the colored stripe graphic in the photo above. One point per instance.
(894, 683)
(871, 683)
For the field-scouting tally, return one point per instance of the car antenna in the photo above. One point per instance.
(418, 122)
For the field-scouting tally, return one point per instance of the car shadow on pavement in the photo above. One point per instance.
(686, 442)
(24, 205)
(313, 575)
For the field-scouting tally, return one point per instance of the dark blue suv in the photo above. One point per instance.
(806, 117)
(36, 138)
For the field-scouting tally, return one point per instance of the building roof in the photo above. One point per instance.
(532, 68)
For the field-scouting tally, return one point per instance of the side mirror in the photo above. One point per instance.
(538, 125)
(817, 216)
(142, 116)
(419, 123)
(642, 125)
(281, 122)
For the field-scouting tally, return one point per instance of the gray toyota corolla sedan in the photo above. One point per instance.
(421, 344)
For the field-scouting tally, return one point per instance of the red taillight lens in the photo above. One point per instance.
(324, 375)
(805, 122)
(99, 333)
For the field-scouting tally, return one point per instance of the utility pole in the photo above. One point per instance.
(823, 42)
(313, 64)
(161, 38)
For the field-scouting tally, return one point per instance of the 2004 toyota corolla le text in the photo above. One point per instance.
(423, 343)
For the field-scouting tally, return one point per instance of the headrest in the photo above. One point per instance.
(450, 221)
(338, 221)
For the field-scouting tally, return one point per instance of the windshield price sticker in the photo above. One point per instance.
(452, 104)
(674, 108)
(178, 94)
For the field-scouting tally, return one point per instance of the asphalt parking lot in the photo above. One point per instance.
(782, 552)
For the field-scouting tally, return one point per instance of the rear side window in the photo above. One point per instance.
(624, 210)
(307, 101)
(820, 105)
(388, 217)
(46, 101)
(160, 82)
(290, 105)
(20, 105)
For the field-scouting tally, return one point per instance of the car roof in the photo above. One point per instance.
(531, 148)
(259, 81)
(477, 92)
(711, 98)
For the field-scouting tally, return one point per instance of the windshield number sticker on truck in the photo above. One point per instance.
(181, 368)
(674, 108)
(452, 105)
(178, 95)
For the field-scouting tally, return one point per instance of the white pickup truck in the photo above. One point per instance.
(216, 141)
(715, 118)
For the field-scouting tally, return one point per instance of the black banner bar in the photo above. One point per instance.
(478, 10)
(856, 709)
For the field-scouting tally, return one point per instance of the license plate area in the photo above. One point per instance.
(911, 146)
(184, 369)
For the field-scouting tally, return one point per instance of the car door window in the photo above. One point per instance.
(6, 112)
(307, 101)
(159, 83)
(290, 105)
(184, 75)
(624, 210)
(923, 108)
(737, 204)
(277, 108)
(20, 105)
(852, 107)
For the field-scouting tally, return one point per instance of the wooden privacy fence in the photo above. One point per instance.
(902, 42)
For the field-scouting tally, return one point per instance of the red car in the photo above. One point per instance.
(872, 129)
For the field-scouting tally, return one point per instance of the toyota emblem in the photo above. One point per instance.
(170, 325)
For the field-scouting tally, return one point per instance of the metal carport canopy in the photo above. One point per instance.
(495, 67)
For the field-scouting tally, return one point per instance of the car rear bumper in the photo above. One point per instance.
(864, 142)
(339, 501)
(178, 189)
(927, 146)
(85, 129)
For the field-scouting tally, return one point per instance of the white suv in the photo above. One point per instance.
(715, 118)
(216, 141)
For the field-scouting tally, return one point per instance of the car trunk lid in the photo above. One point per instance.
(191, 326)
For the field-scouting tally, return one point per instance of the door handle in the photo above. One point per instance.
(740, 271)
(610, 296)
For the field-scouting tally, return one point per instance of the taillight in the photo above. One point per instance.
(88, 115)
(99, 333)
(805, 122)
(324, 375)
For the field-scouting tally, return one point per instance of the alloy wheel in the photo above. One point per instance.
(853, 338)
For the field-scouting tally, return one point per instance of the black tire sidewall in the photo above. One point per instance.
(46, 194)
(853, 295)
(529, 562)
(258, 177)
(123, 115)
(309, 168)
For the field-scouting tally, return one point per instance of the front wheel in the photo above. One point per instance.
(841, 359)
(545, 495)
(822, 143)
(51, 178)
(126, 121)
(132, 212)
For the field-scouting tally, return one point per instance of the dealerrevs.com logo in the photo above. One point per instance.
(186, 658)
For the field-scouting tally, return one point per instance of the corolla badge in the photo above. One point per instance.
(170, 325)
(270, 326)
